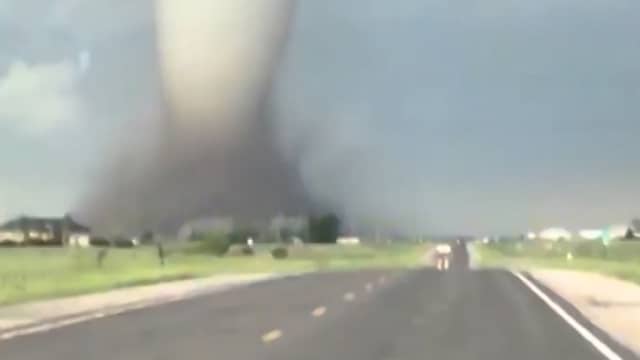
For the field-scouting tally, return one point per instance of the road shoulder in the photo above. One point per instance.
(17, 319)
(609, 304)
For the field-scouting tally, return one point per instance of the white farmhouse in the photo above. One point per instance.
(555, 234)
(10, 235)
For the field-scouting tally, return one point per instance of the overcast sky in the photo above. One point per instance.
(491, 116)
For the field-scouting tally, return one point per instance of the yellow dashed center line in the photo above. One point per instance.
(319, 311)
(369, 287)
(271, 336)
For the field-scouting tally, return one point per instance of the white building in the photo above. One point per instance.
(15, 236)
(80, 239)
(350, 240)
(45, 231)
(555, 234)
(591, 234)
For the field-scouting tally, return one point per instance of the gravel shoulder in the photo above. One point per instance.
(609, 303)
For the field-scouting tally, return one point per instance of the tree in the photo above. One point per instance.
(324, 229)
(212, 243)
(285, 228)
(241, 235)
(629, 235)
(147, 237)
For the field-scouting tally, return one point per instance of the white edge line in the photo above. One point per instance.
(319, 311)
(586, 334)
(368, 287)
(271, 336)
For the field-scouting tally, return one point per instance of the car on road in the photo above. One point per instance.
(442, 254)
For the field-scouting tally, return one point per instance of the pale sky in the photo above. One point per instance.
(480, 116)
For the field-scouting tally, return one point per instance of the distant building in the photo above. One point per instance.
(591, 234)
(555, 234)
(45, 231)
(11, 234)
(348, 240)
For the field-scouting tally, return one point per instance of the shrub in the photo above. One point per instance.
(213, 243)
(324, 229)
(123, 242)
(280, 253)
(99, 241)
(147, 238)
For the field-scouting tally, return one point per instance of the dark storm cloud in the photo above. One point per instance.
(468, 115)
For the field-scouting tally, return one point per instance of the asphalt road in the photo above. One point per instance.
(368, 315)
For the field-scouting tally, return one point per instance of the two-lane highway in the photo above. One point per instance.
(458, 315)
(367, 315)
(239, 324)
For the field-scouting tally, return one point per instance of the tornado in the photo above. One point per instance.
(213, 151)
(217, 59)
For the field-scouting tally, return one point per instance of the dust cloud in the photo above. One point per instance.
(234, 139)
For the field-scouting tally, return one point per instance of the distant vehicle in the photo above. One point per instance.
(444, 249)
(443, 252)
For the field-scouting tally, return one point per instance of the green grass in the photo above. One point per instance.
(620, 260)
(39, 273)
(328, 257)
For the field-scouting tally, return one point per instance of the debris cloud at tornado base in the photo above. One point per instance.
(208, 150)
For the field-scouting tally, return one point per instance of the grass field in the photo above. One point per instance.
(38, 273)
(621, 260)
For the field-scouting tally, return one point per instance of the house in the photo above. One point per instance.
(77, 235)
(45, 231)
(555, 234)
(10, 234)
